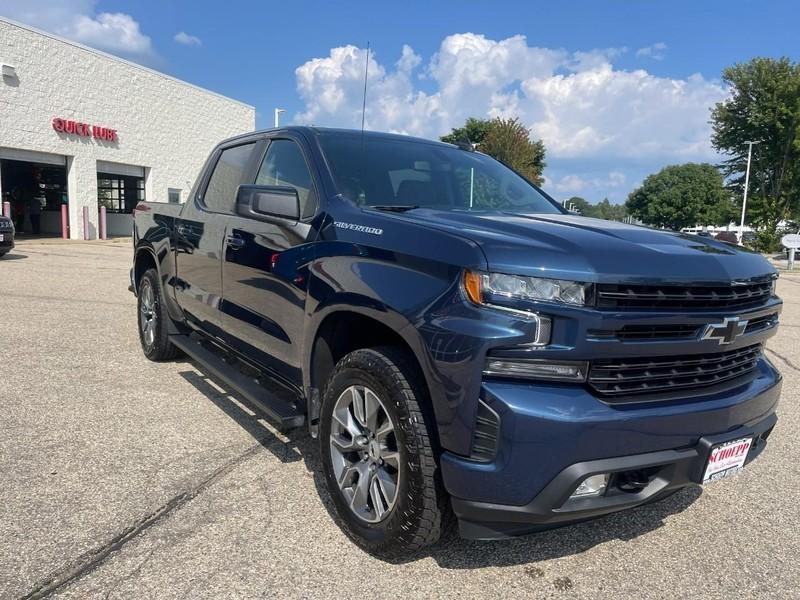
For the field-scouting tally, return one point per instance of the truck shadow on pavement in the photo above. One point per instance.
(248, 417)
(13, 256)
(456, 553)
(452, 552)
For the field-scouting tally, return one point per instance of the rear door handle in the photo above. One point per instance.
(234, 242)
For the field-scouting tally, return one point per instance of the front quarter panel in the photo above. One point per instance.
(418, 295)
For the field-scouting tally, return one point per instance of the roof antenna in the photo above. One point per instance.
(363, 115)
(364, 104)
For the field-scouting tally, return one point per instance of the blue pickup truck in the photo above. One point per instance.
(459, 344)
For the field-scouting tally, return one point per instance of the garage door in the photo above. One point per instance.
(43, 158)
(104, 166)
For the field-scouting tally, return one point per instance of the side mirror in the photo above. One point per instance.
(268, 202)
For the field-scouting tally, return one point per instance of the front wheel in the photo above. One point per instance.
(153, 332)
(378, 454)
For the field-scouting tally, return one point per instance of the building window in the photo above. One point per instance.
(174, 195)
(119, 193)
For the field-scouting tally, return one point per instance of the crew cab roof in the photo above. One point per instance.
(313, 131)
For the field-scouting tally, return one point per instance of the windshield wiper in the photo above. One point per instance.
(394, 207)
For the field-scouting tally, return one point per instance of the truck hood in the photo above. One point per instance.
(594, 250)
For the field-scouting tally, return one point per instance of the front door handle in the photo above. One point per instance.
(234, 242)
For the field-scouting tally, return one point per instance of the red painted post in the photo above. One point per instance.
(85, 222)
(7, 209)
(102, 222)
(64, 232)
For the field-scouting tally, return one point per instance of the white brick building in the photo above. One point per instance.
(83, 128)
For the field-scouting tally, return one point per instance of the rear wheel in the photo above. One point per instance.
(378, 454)
(153, 332)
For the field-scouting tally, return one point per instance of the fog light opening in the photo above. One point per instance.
(594, 485)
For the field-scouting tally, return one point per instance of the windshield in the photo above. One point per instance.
(396, 173)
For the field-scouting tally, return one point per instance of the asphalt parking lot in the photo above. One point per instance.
(124, 478)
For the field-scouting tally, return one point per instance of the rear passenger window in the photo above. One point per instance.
(220, 193)
(284, 165)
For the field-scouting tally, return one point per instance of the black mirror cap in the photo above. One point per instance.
(268, 202)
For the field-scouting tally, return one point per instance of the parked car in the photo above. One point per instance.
(6, 235)
(727, 236)
(457, 341)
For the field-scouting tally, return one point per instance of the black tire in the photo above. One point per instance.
(151, 309)
(421, 511)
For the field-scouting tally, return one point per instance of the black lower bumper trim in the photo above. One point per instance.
(667, 471)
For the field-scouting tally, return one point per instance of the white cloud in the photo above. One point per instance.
(112, 31)
(118, 33)
(573, 184)
(623, 114)
(333, 90)
(187, 40)
(581, 105)
(569, 184)
(656, 51)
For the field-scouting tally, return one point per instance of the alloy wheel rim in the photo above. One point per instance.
(147, 313)
(364, 453)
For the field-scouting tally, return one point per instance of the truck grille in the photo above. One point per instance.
(667, 332)
(748, 295)
(761, 323)
(656, 332)
(617, 378)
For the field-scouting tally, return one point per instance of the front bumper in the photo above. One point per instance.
(552, 437)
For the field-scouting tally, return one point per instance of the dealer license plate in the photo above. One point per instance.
(727, 459)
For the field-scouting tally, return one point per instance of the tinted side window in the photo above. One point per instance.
(220, 193)
(284, 164)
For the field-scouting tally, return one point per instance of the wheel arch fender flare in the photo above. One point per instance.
(144, 258)
(369, 308)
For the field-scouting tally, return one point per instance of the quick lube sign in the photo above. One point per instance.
(84, 129)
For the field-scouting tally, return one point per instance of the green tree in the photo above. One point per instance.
(610, 212)
(507, 140)
(764, 106)
(474, 131)
(581, 205)
(601, 210)
(682, 196)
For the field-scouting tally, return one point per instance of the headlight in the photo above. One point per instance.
(481, 287)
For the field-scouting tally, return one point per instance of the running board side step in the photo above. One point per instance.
(279, 411)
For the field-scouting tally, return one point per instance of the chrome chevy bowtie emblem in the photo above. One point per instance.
(725, 332)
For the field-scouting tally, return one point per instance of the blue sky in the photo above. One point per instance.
(617, 89)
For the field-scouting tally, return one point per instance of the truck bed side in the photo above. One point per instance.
(153, 233)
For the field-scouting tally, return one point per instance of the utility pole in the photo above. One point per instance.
(278, 112)
(746, 186)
